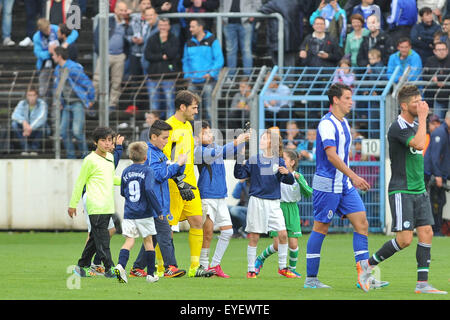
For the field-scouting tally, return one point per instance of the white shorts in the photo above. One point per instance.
(264, 215)
(217, 211)
(135, 228)
(88, 222)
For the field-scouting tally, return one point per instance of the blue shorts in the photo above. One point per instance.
(326, 204)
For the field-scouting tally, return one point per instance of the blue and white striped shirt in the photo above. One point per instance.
(332, 133)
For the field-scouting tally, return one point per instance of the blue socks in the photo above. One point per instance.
(360, 247)
(149, 258)
(313, 253)
(124, 255)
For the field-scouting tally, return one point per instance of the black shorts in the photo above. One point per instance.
(410, 211)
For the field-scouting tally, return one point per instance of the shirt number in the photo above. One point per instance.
(134, 190)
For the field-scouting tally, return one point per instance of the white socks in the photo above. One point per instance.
(222, 244)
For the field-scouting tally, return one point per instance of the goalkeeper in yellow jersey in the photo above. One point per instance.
(185, 202)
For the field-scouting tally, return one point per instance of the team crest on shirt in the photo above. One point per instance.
(170, 217)
(330, 214)
(414, 151)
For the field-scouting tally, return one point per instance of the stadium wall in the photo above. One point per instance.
(35, 194)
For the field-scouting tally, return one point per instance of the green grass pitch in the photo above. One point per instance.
(35, 264)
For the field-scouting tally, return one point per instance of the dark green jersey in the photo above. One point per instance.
(406, 162)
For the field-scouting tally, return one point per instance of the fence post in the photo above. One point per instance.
(254, 109)
(214, 99)
(57, 107)
(103, 93)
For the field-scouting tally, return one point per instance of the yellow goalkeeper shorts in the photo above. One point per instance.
(181, 209)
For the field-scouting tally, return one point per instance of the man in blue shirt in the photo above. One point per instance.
(202, 61)
(77, 94)
(405, 57)
(334, 189)
(437, 164)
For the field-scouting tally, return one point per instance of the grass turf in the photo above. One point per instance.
(36, 265)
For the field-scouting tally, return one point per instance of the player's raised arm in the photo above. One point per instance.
(418, 142)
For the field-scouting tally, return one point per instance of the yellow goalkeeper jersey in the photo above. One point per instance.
(181, 140)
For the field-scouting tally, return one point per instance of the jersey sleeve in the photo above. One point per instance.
(285, 178)
(83, 176)
(151, 196)
(327, 133)
(404, 136)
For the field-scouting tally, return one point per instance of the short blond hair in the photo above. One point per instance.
(137, 151)
(43, 24)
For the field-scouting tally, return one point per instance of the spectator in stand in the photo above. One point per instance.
(293, 29)
(63, 34)
(7, 7)
(139, 26)
(240, 108)
(423, 32)
(437, 164)
(150, 118)
(29, 122)
(77, 94)
(238, 212)
(202, 61)
(276, 108)
(436, 70)
(377, 39)
(169, 6)
(202, 6)
(446, 29)
(45, 40)
(437, 7)
(335, 19)
(152, 18)
(120, 34)
(57, 11)
(163, 54)
(366, 9)
(319, 49)
(376, 65)
(433, 123)
(403, 17)
(33, 11)
(293, 136)
(375, 69)
(355, 38)
(239, 33)
(307, 148)
(343, 73)
(405, 57)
